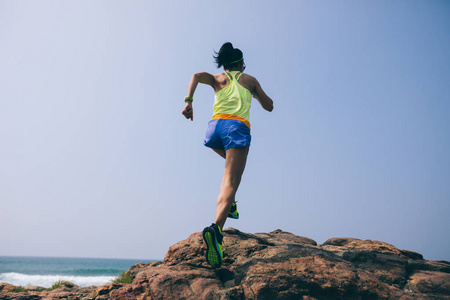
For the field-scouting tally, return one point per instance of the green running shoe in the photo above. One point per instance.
(233, 213)
(213, 238)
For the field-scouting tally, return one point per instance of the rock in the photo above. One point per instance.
(103, 291)
(6, 287)
(67, 291)
(68, 285)
(411, 254)
(280, 265)
(34, 288)
(431, 283)
(275, 265)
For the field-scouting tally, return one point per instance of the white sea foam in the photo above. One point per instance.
(47, 281)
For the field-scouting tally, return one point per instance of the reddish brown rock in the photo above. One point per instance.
(67, 291)
(280, 265)
(276, 265)
(429, 282)
(6, 287)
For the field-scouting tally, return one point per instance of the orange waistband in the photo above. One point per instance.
(232, 117)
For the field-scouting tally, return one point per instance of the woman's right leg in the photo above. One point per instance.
(235, 161)
(221, 152)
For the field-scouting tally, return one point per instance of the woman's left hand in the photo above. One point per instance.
(188, 111)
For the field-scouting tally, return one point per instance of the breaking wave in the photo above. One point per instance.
(47, 281)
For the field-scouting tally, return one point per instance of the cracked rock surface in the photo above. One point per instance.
(275, 265)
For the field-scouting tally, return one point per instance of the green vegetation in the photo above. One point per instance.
(56, 285)
(19, 289)
(123, 277)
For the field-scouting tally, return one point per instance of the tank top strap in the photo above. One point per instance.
(229, 76)
(239, 76)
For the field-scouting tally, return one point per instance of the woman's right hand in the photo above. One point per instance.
(188, 111)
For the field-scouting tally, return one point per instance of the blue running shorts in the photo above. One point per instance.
(225, 134)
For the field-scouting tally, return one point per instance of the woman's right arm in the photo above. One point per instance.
(202, 77)
(262, 97)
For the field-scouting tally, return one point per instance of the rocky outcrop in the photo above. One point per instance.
(275, 265)
(67, 290)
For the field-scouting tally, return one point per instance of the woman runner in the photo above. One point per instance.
(228, 134)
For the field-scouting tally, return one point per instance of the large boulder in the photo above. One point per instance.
(281, 265)
(275, 265)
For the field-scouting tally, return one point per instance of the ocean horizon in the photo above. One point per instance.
(45, 271)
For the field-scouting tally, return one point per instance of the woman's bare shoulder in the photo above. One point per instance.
(248, 81)
(220, 75)
(221, 78)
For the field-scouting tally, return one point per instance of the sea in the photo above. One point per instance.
(45, 271)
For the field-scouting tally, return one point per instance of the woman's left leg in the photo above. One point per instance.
(235, 161)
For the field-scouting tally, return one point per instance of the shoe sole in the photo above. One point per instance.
(234, 214)
(212, 253)
(230, 215)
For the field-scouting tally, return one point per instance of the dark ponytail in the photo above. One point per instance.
(228, 56)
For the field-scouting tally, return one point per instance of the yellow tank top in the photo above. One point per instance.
(233, 101)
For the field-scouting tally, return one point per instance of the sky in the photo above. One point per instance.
(96, 159)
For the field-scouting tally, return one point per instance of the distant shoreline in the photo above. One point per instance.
(44, 271)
